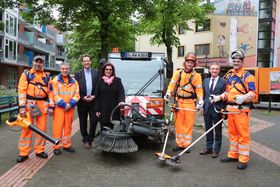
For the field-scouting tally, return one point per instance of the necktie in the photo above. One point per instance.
(212, 86)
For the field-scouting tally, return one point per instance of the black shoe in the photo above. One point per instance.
(241, 165)
(87, 145)
(215, 154)
(177, 148)
(56, 152)
(227, 159)
(42, 155)
(69, 149)
(205, 151)
(21, 159)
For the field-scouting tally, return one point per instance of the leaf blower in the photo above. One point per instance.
(23, 122)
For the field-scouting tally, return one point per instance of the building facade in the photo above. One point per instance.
(21, 41)
(234, 25)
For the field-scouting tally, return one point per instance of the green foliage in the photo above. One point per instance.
(163, 17)
(4, 91)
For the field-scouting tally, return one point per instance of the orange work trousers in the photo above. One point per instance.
(184, 122)
(239, 136)
(62, 126)
(25, 139)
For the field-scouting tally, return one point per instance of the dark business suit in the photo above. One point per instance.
(210, 116)
(87, 108)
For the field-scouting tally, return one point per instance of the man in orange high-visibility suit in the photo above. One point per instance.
(186, 87)
(240, 93)
(35, 94)
(66, 96)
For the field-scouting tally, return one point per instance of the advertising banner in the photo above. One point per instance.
(275, 82)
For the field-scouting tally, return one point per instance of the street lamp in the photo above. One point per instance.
(206, 60)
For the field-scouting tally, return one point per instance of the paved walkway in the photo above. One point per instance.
(92, 168)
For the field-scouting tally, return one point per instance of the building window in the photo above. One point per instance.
(202, 49)
(181, 51)
(181, 30)
(12, 77)
(11, 25)
(10, 49)
(203, 26)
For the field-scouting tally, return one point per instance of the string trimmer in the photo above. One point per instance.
(162, 156)
(175, 161)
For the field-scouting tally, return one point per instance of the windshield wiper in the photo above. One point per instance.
(141, 90)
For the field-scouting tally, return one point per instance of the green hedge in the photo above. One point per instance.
(5, 91)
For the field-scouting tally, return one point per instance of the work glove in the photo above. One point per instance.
(121, 103)
(199, 104)
(214, 98)
(166, 98)
(239, 99)
(22, 112)
(67, 107)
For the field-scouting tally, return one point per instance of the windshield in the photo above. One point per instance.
(135, 74)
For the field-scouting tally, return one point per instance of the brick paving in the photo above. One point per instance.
(91, 168)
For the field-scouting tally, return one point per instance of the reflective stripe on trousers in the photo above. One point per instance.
(25, 139)
(184, 122)
(239, 136)
(62, 126)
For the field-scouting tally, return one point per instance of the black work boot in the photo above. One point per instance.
(56, 152)
(69, 149)
(241, 165)
(228, 159)
(42, 155)
(21, 159)
(177, 148)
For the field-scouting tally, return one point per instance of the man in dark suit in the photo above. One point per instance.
(87, 78)
(213, 85)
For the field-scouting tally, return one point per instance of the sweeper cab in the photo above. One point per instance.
(143, 77)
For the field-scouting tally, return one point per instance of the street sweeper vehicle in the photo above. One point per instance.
(143, 78)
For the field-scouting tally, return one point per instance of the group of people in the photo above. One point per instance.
(214, 97)
(95, 94)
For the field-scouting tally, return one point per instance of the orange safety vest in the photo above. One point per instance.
(185, 85)
(34, 85)
(65, 93)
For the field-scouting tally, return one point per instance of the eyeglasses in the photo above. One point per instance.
(108, 69)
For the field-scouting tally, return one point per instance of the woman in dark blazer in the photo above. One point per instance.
(109, 93)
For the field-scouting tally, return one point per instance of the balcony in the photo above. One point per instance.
(23, 38)
(47, 32)
(60, 39)
(51, 65)
(23, 60)
(60, 55)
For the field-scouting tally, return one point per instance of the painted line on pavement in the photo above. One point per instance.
(22, 173)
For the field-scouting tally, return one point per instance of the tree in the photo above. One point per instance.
(99, 24)
(162, 18)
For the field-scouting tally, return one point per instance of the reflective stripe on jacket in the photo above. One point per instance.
(36, 84)
(65, 93)
(186, 87)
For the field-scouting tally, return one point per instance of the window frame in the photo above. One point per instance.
(202, 53)
(179, 51)
(206, 26)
